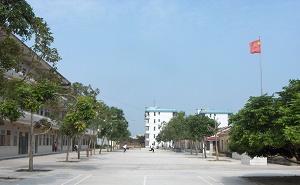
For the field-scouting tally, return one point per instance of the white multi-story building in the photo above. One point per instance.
(221, 116)
(155, 119)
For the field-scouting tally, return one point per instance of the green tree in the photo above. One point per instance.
(175, 130)
(32, 96)
(269, 126)
(116, 125)
(75, 91)
(141, 140)
(17, 18)
(75, 121)
(198, 128)
(98, 122)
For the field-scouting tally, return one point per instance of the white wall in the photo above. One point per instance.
(220, 118)
(154, 120)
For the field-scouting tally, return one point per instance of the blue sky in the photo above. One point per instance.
(179, 54)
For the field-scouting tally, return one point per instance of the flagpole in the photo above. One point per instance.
(261, 84)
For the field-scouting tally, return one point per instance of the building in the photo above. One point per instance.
(15, 136)
(155, 119)
(222, 117)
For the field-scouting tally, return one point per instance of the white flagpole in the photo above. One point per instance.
(261, 85)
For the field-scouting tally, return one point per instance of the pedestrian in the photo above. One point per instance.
(125, 147)
(54, 147)
(76, 147)
(152, 148)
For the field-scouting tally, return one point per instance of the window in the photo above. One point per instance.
(154, 128)
(222, 145)
(154, 113)
(8, 133)
(40, 140)
(15, 138)
(44, 140)
(2, 137)
(147, 128)
(47, 140)
(154, 135)
(51, 140)
(158, 120)
(158, 113)
(154, 120)
(47, 113)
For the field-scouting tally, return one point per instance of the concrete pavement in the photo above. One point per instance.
(136, 167)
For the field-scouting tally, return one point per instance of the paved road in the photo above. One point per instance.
(136, 167)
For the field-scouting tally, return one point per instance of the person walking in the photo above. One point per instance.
(152, 148)
(76, 147)
(54, 147)
(125, 147)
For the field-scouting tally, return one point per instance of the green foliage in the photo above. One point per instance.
(10, 110)
(269, 126)
(180, 127)
(198, 126)
(78, 116)
(141, 139)
(16, 17)
(10, 54)
(43, 124)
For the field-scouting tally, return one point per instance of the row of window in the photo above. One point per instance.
(6, 136)
(154, 121)
(147, 128)
(154, 113)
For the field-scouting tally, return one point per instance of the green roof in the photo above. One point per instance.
(160, 110)
(215, 112)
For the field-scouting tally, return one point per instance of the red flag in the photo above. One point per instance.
(255, 47)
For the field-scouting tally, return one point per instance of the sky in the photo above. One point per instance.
(175, 54)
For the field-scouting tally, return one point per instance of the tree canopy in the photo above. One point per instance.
(269, 125)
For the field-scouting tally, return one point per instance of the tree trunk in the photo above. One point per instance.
(196, 147)
(191, 146)
(102, 141)
(31, 143)
(217, 152)
(68, 148)
(204, 148)
(79, 147)
(94, 147)
(88, 148)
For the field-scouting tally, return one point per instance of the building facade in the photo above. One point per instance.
(221, 116)
(155, 119)
(15, 136)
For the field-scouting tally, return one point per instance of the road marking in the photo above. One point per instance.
(144, 180)
(71, 180)
(214, 180)
(82, 180)
(205, 180)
